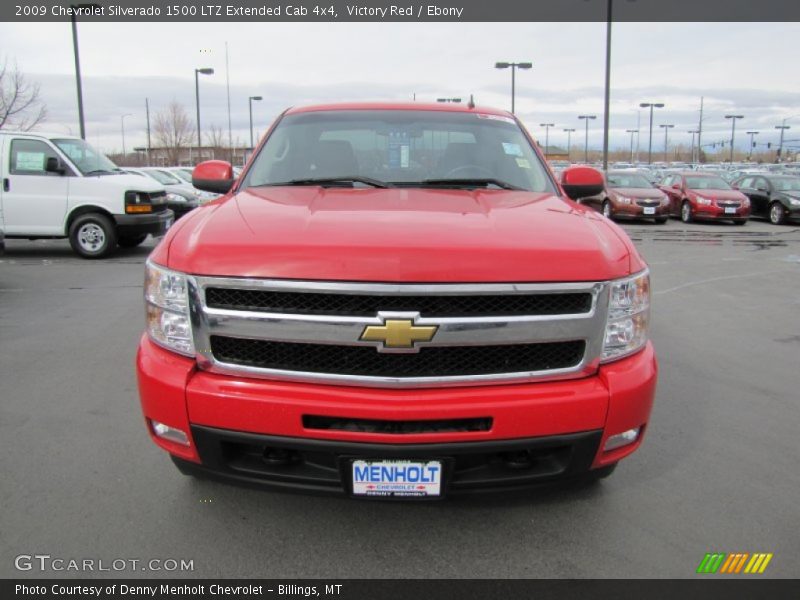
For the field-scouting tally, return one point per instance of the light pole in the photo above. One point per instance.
(455, 100)
(631, 131)
(586, 119)
(197, 72)
(77, 8)
(733, 130)
(783, 128)
(250, 104)
(514, 66)
(651, 106)
(752, 135)
(691, 154)
(666, 139)
(547, 127)
(569, 140)
(122, 121)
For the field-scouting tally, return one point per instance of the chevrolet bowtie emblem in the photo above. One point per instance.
(398, 333)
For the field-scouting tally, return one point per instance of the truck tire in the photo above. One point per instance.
(93, 235)
(131, 242)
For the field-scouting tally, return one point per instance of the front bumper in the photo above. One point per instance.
(713, 212)
(233, 423)
(154, 223)
(638, 212)
(182, 208)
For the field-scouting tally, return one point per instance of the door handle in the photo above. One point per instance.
(6, 184)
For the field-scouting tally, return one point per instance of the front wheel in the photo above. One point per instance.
(93, 236)
(777, 215)
(686, 212)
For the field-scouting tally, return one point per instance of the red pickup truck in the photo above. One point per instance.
(396, 301)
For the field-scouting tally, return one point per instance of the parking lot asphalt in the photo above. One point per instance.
(717, 472)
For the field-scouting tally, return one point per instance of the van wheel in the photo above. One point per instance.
(93, 236)
(131, 242)
(686, 212)
(776, 213)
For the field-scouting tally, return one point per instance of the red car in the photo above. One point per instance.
(707, 196)
(396, 300)
(630, 195)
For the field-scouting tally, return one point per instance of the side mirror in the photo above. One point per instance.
(55, 165)
(582, 182)
(676, 186)
(213, 176)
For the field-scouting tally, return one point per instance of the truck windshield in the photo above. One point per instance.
(88, 160)
(408, 148)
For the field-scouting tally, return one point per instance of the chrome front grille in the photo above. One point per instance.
(648, 202)
(728, 203)
(316, 331)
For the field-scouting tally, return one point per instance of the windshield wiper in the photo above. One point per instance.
(97, 172)
(469, 182)
(334, 181)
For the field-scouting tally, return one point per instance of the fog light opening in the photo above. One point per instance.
(170, 433)
(622, 439)
(280, 456)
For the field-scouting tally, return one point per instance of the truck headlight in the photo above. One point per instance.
(167, 305)
(628, 316)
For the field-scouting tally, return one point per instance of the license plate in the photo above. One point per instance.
(730, 210)
(397, 478)
(649, 210)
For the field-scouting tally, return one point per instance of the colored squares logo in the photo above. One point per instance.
(734, 563)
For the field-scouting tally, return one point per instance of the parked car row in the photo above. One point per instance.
(698, 195)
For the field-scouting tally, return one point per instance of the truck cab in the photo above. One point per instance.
(57, 186)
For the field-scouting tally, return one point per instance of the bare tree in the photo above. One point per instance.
(215, 140)
(21, 107)
(173, 130)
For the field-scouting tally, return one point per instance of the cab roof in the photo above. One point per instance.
(423, 106)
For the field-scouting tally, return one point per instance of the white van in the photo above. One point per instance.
(56, 186)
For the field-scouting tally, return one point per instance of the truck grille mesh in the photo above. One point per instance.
(428, 305)
(441, 361)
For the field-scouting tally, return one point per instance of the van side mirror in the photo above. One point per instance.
(213, 176)
(55, 165)
(582, 182)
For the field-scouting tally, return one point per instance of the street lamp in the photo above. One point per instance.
(250, 104)
(122, 121)
(631, 131)
(752, 135)
(197, 72)
(586, 119)
(691, 154)
(783, 128)
(651, 106)
(78, 8)
(666, 132)
(547, 127)
(514, 66)
(733, 130)
(569, 140)
(455, 100)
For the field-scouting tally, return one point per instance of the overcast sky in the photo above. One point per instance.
(747, 68)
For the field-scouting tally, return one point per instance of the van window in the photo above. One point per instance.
(29, 157)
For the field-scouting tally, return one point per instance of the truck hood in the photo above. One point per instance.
(398, 235)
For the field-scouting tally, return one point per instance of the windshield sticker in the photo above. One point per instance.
(399, 147)
(30, 161)
(512, 149)
(523, 163)
(496, 118)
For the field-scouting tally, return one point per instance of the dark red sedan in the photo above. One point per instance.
(707, 196)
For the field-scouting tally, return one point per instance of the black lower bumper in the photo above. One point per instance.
(323, 465)
(182, 208)
(136, 225)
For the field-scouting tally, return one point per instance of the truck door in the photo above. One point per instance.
(34, 201)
